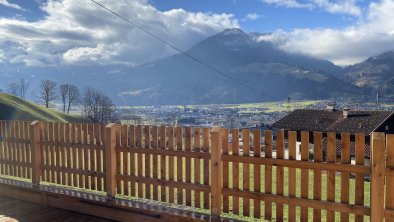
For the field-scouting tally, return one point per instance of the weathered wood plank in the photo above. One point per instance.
(268, 174)
(171, 169)
(389, 179)
(318, 157)
(206, 148)
(256, 171)
(377, 177)
(292, 174)
(188, 169)
(197, 167)
(179, 162)
(280, 153)
(225, 147)
(345, 176)
(331, 156)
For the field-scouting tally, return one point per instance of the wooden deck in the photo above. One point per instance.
(17, 210)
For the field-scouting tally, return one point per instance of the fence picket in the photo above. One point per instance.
(155, 161)
(179, 162)
(171, 170)
(163, 163)
(292, 173)
(345, 176)
(147, 162)
(188, 168)
(377, 176)
(81, 180)
(139, 157)
(304, 172)
(235, 170)
(389, 179)
(132, 161)
(206, 148)
(280, 152)
(197, 167)
(246, 168)
(331, 156)
(268, 174)
(318, 157)
(225, 144)
(256, 171)
(125, 159)
(74, 153)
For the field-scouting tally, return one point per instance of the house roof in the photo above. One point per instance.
(333, 121)
(367, 149)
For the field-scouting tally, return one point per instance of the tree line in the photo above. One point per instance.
(94, 104)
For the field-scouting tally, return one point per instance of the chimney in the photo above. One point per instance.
(331, 106)
(345, 112)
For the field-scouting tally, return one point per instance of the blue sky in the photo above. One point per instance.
(39, 32)
(270, 17)
(253, 15)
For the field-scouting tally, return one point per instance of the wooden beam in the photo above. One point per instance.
(36, 154)
(216, 173)
(110, 158)
(299, 164)
(377, 177)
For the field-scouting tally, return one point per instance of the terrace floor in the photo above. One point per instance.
(16, 210)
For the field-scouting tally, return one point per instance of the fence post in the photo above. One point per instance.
(377, 176)
(35, 152)
(216, 173)
(110, 159)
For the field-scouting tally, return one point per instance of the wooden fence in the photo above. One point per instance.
(225, 172)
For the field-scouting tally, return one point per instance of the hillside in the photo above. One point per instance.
(376, 73)
(15, 108)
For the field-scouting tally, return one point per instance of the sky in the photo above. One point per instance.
(52, 32)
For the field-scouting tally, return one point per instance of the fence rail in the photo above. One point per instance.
(227, 172)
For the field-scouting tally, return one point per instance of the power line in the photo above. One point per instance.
(183, 52)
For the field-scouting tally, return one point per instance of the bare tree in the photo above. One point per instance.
(98, 106)
(63, 90)
(19, 88)
(73, 97)
(47, 92)
(13, 89)
(23, 86)
(69, 95)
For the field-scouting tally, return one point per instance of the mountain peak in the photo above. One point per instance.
(233, 31)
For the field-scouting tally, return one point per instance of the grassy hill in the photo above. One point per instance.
(15, 108)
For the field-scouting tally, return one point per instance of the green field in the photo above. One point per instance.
(15, 108)
(278, 106)
(275, 106)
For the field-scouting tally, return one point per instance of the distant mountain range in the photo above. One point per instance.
(376, 73)
(274, 73)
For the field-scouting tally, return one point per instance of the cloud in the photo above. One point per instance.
(348, 7)
(288, 3)
(371, 36)
(251, 17)
(11, 5)
(72, 32)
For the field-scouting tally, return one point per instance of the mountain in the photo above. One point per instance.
(275, 73)
(272, 73)
(15, 108)
(376, 73)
